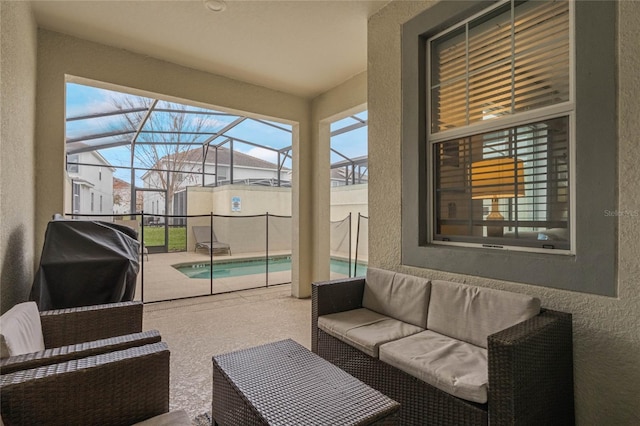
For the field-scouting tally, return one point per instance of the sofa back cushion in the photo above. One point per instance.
(21, 330)
(399, 296)
(472, 313)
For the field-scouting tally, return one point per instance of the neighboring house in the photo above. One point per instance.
(350, 172)
(90, 177)
(122, 197)
(247, 169)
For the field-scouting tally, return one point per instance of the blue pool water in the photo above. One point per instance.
(238, 268)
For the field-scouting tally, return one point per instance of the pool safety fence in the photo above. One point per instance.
(202, 255)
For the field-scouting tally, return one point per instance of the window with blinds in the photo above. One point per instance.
(500, 119)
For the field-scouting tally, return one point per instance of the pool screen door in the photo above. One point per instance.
(154, 206)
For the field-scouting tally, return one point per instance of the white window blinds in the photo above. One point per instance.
(511, 184)
(511, 60)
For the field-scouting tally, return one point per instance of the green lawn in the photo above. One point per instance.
(154, 236)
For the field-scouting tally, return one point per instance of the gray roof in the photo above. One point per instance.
(224, 157)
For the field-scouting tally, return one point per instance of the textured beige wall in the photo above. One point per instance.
(349, 199)
(60, 55)
(17, 156)
(346, 99)
(606, 330)
(255, 200)
(344, 200)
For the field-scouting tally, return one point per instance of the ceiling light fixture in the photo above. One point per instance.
(215, 5)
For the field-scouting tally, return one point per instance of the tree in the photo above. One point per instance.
(164, 145)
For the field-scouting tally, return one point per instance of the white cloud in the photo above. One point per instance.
(263, 154)
(211, 122)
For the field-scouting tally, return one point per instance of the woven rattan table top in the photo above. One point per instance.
(286, 384)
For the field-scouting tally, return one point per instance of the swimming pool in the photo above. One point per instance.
(238, 268)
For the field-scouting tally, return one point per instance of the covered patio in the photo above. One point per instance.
(307, 64)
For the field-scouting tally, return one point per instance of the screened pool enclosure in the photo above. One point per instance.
(165, 168)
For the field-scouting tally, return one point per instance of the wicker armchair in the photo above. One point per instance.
(75, 333)
(116, 388)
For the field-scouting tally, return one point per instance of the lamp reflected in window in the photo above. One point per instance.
(493, 179)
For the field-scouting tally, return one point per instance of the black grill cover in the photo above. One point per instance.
(86, 263)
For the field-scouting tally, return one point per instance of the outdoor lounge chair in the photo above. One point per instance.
(69, 334)
(115, 388)
(206, 239)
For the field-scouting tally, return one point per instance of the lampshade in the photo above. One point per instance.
(497, 178)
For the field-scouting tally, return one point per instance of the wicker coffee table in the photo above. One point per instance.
(283, 383)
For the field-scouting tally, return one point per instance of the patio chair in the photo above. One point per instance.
(206, 239)
(116, 388)
(52, 337)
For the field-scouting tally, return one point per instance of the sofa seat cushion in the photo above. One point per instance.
(472, 313)
(364, 329)
(451, 365)
(400, 296)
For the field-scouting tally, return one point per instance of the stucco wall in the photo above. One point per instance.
(17, 156)
(346, 99)
(257, 200)
(344, 200)
(60, 55)
(606, 330)
(254, 200)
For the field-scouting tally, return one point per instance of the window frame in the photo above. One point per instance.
(72, 163)
(562, 109)
(524, 244)
(592, 265)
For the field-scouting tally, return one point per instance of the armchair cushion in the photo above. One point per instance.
(364, 329)
(21, 330)
(472, 313)
(456, 367)
(400, 296)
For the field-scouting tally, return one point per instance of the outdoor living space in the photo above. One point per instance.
(502, 152)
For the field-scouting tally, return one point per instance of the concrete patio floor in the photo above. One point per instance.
(198, 328)
(241, 313)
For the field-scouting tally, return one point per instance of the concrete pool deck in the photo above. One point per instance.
(164, 282)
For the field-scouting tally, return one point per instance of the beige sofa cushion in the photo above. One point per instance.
(472, 313)
(364, 329)
(21, 330)
(399, 296)
(453, 366)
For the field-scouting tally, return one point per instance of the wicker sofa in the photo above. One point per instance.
(450, 353)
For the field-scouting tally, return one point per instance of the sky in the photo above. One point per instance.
(84, 100)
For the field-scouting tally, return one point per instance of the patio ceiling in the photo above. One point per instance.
(300, 47)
